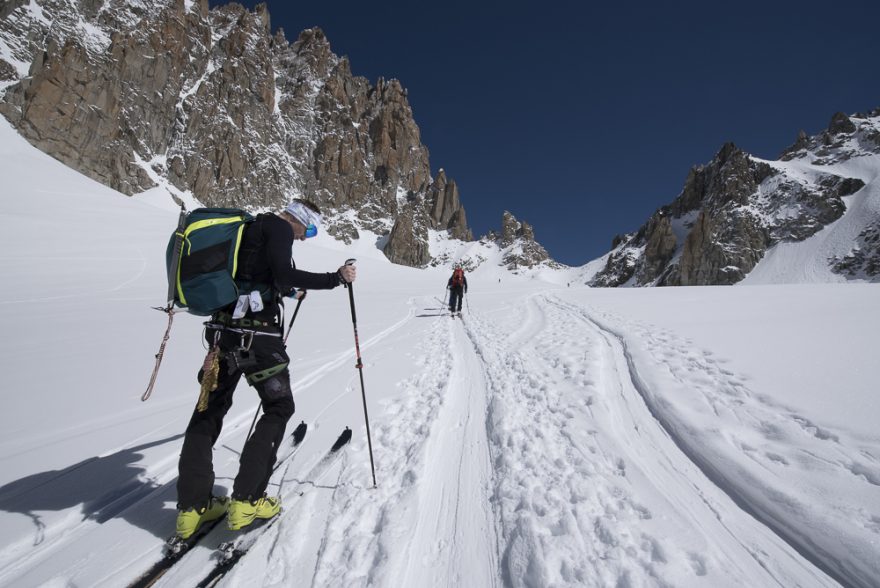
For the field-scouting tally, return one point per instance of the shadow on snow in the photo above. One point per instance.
(104, 487)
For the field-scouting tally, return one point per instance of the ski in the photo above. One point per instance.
(176, 548)
(230, 552)
(298, 435)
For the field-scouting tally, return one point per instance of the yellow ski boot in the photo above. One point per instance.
(243, 512)
(189, 521)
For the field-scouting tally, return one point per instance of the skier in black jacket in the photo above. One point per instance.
(248, 341)
(457, 286)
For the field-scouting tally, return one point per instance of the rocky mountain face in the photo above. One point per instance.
(513, 247)
(407, 243)
(517, 242)
(733, 209)
(138, 92)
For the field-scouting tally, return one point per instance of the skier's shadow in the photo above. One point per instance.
(103, 487)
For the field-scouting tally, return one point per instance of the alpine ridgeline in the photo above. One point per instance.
(518, 245)
(737, 208)
(137, 93)
(514, 248)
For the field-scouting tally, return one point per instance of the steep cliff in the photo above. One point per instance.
(212, 102)
(732, 210)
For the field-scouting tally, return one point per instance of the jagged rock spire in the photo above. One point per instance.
(213, 103)
(731, 210)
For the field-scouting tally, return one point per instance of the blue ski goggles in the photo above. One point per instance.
(311, 230)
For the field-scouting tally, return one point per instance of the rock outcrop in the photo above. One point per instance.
(863, 260)
(518, 244)
(842, 140)
(138, 92)
(733, 209)
(446, 210)
(408, 241)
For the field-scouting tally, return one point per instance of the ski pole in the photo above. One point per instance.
(360, 367)
(467, 301)
(254, 422)
(293, 318)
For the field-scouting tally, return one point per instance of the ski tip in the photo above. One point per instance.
(299, 433)
(343, 439)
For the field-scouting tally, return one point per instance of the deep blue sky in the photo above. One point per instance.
(583, 120)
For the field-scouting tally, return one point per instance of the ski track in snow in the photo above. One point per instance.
(779, 442)
(432, 489)
(523, 450)
(153, 487)
(525, 467)
(581, 469)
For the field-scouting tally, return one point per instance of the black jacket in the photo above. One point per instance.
(265, 259)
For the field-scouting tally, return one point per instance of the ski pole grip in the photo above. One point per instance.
(348, 262)
(352, 261)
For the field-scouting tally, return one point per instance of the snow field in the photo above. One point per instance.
(581, 470)
(553, 436)
(791, 474)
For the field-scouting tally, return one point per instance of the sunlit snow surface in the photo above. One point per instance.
(553, 436)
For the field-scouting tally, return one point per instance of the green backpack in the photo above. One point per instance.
(202, 259)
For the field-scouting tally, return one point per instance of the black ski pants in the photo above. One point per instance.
(456, 295)
(271, 378)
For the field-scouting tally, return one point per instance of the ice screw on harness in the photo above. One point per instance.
(210, 370)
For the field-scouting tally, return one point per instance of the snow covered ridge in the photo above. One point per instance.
(209, 102)
(811, 216)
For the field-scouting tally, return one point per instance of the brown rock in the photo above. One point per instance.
(408, 241)
(214, 102)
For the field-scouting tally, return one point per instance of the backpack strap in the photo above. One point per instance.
(245, 270)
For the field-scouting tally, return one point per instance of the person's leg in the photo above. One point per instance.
(260, 451)
(195, 467)
(271, 378)
(460, 298)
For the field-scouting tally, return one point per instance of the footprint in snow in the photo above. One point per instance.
(811, 429)
(698, 564)
(867, 473)
(776, 458)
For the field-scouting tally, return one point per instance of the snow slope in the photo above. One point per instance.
(553, 436)
(808, 261)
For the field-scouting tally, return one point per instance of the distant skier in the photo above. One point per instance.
(247, 341)
(457, 286)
